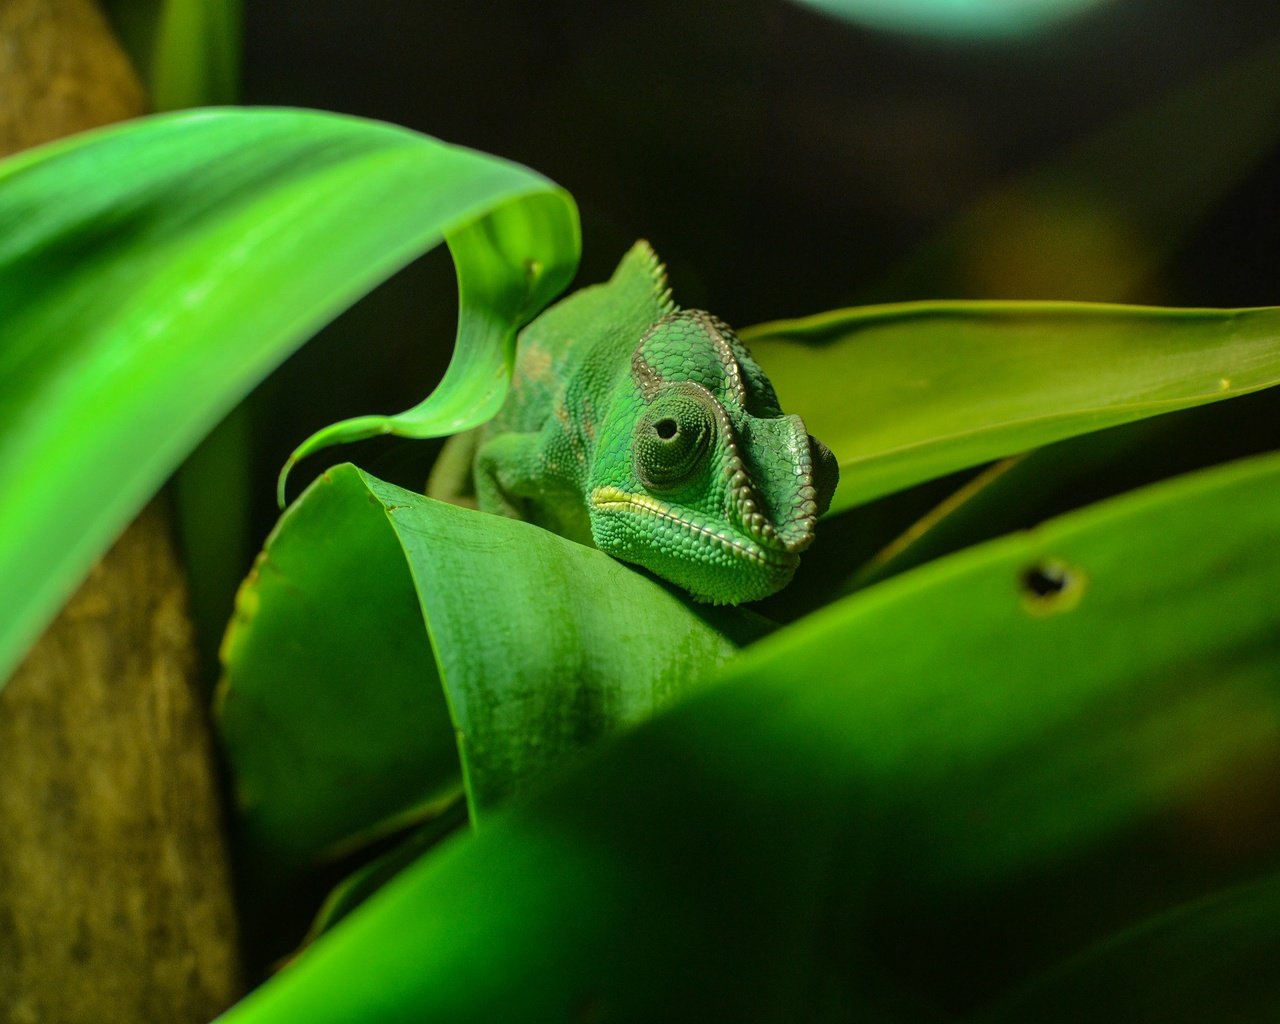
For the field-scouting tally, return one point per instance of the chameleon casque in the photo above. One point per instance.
(649, 432)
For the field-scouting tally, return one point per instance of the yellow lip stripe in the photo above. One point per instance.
(613, 499)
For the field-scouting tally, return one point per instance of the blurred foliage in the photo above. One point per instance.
(1095, 222)
(959, 19)
(188, 51)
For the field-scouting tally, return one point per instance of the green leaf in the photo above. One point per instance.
(330, 709)
(929, 388)
(189, 53)
(898, 808)
(215, 548)
(196, 53)
(151, 274)
(492, 302)
(357, 887)
(544, 645)
(1022, 491)
(332, 714)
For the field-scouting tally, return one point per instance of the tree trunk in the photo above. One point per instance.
(115, 900)
(62, 72)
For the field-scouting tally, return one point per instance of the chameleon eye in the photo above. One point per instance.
(671, 440)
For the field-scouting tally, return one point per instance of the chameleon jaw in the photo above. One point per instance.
(614, 499)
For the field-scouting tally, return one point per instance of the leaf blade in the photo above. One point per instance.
(150, 274)
(981, 380)
(354, 681)
(329, 711)
(545, 646)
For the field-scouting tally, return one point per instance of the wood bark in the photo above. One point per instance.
(61, 71)
(115, 897)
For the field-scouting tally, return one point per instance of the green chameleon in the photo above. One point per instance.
(649, 432)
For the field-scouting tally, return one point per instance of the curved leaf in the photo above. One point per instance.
(898, 808)
(332, 714)
(151, 274)
(492, 302)
(544, 645)
(932, 387)
(330, 710)
(1021, 491)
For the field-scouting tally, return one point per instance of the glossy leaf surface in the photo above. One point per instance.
(1024, 490)
(900, 808)
(152, 273)
(929, 388)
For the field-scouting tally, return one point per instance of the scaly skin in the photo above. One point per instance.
(649, 432)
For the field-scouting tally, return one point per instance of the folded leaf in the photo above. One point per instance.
(545, 646)
(152, 273)
(331, 711)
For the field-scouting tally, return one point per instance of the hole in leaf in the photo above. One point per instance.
(1051, 586)
(665, 429)
(1044, 580)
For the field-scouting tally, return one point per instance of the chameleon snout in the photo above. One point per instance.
(792, 477)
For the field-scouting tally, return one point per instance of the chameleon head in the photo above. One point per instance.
(706, 482)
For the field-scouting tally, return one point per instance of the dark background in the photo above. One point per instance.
(781, 161)
(784, 163)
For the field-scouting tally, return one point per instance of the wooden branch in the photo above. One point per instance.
(115, 896)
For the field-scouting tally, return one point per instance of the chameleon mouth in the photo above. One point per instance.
(614, 499)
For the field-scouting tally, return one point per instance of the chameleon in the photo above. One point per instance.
(649, 432)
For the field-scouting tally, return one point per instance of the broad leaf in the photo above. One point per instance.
(544, 645)
(930, 388)
(331, 712)
(151, 274)
(330, 708)
(1024, 490)
(899, 808)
